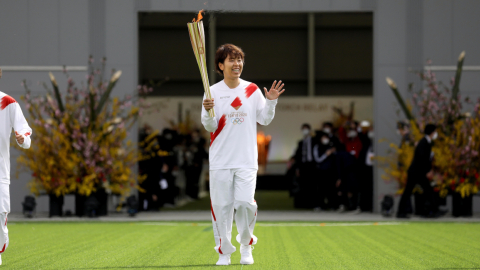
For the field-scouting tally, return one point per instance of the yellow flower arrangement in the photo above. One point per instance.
(81, 142)
(456, 151)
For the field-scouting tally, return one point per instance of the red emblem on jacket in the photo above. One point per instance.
(236, 104)
(7, 100)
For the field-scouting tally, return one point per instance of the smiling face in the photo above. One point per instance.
(232, 67)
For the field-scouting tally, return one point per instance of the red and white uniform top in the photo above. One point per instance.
(233, 130)
(11, 116)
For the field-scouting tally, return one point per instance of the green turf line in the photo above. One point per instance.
(191, 246)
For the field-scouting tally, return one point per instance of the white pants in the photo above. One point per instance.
(4, 210)
(233, 189)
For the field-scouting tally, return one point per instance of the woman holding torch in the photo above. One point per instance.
(238, 106)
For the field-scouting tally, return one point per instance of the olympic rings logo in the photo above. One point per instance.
(237, 121)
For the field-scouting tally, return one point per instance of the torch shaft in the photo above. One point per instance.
(197, 38)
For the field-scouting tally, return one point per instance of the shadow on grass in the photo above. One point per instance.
(153, 266)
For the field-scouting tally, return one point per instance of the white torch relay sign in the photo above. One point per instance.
(197, 37)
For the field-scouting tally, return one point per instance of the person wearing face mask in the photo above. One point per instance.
(403, 129)
(323, 153)
(420, 172)
(150, 200)
(194, 156)
(305, 164)
(365, 164)
(327, 128)
(349, 137)
(349, 171)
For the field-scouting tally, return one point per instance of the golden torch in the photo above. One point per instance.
(197, 37)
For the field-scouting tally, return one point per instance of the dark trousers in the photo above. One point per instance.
(192, 175)
(405, 205)
(326, 196)
(366, 189)
(306, 194)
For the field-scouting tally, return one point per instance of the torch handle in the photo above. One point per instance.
(197, 38)
(211, 112)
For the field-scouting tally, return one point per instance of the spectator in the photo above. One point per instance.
(349, 169)
(403, 129)
(305, 170)
(169, 142)
(323, 153)
(353, 144)
(366, 168)
(420, 172)
(150, 199)
(327, 128)
(194, 156)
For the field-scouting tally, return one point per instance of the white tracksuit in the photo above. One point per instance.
(234, 159)
(11, 116)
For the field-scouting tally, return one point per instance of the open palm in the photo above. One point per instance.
(275, 90)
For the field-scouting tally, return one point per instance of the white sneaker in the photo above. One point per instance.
(223, 259)
(246, 252)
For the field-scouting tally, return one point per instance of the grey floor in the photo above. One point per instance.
(262, 216)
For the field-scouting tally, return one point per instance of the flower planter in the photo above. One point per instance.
(93, 206)
(461, 207)
(79, 205)
(55, 205)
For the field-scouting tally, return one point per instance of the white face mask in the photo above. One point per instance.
(370, 135)
(435, 136)
(305, 131)
(352, 134)
(327, 130)
(325, 141)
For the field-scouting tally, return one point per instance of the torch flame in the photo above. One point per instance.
(199, 16)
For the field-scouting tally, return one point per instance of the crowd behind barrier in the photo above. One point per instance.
(332, 169)
(175, 174)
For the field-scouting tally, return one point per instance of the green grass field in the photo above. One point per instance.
(183, 245)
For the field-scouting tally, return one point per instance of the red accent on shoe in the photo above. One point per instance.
(220, 247)
(221, 124)
(251, 242)
(3, 249)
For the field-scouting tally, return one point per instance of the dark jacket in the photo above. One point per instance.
(299, 152)
(422, 161)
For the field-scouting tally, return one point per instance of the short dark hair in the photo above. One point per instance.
(429, 129)
(224, 51)
(402, 124)
(329, 124)
(307, 126)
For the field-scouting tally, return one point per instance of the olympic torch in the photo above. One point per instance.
(197, 37)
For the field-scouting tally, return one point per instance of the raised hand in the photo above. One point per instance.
(19, 138)
(275, 91)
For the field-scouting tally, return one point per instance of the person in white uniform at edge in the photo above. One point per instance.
(11, 116)
(238, 106)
